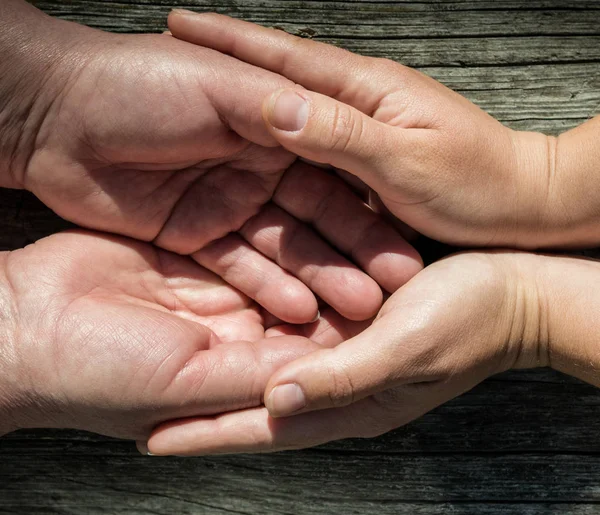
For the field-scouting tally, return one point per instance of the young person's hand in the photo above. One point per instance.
(163, 141)
(456, 323)
(437, 161)
(116, 336)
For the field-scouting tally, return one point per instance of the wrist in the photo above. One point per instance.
(553, 303)
(558, 188)
(523, 337)
(537, 221)
(546, 315)
(571, 306)
(34, 69)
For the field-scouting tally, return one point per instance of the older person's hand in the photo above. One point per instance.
(116, 336)
(456, 323)
(437, 162)
(163, 141)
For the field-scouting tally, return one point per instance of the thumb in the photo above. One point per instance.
(332, 378)
(324, 130)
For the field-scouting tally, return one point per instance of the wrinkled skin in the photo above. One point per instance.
(435, 160)
(163, 141)
(456, 323)
(115, 336)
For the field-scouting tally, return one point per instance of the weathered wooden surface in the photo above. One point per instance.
(523, 443)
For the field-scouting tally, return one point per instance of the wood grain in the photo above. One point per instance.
(521, 443)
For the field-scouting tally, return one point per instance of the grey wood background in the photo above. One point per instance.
(523, 443)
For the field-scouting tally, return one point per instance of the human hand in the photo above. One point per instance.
(163, 141)
(437, 162)
(456, 323)
(115, 336)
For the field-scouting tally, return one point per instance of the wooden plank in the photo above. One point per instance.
(295, 482)
(351, 19)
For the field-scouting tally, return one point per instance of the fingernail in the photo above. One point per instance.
(184, 11)
(285, 400)
(142, 447)
(289, 111)
(316, 318)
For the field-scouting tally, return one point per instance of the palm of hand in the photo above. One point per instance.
(132, 337)
(160, 160)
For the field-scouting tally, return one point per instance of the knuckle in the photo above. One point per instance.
(392, 75)
(293, 46)
(346, 129)
(385, 64)
(387, 70)
(341, 392)
(259, 438)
